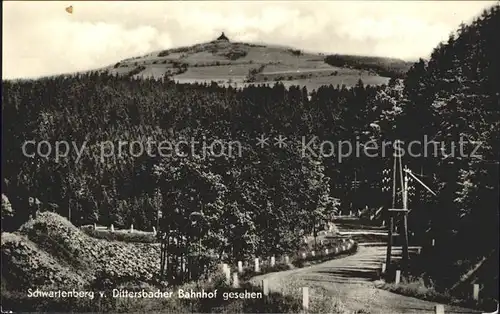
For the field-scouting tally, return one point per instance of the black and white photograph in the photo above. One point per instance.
(250, 156)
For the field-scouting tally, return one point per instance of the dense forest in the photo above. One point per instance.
(382, 66)
(261, 201)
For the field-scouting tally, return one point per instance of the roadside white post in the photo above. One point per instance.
(305, 298)
(287, 260)
(303, 255)
(240, 267)
(439, 309)
(475, 292)
(95, 226)
(313, 253)
(398, 276)
(273, 261)
(419, 250)
(433, 242)
(131, 228)
(224, 268)
(326, 251)
(257, 268)
(154, 231)
(227, 271)
(236, 282)
(265, 287)
(336, 250)
(383, 268)
(112, 228)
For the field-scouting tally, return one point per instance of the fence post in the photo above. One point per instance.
(398, 276)
(439, 309)
(305, 298)
(240, 267)
(265, 287)
(228, 274)
(236, 282)
(475, 292)
(273, 261)
(257, 268)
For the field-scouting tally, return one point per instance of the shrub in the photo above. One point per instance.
(163, 53)
(137, 70)
(122, 235)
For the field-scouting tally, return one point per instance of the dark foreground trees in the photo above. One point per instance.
(261, 201)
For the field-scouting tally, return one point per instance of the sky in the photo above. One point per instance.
(40, 38)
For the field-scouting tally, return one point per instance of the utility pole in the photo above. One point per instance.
(389, 216)
(355, 186)
(405, 222)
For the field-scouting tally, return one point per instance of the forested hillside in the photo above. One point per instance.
(259, 201)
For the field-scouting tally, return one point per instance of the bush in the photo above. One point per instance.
(163, 53)
(295, 52)
(137, 70)
(122, 235)
(235, 54)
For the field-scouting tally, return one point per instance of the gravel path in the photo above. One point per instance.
(348, 284)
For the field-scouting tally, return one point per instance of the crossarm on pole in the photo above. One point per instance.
(418, 180)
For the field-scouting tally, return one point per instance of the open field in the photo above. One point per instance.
(242, 64)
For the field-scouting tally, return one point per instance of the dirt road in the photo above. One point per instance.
(350, 281)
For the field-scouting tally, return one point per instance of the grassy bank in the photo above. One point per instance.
(246, 299)
(422, 286)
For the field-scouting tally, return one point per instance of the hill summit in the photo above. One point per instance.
(223, 37)
(240, 64)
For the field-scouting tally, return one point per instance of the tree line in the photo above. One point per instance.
(263, 201)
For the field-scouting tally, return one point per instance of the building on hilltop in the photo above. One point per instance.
(223, 37)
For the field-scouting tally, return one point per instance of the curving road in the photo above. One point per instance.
(350, 281)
